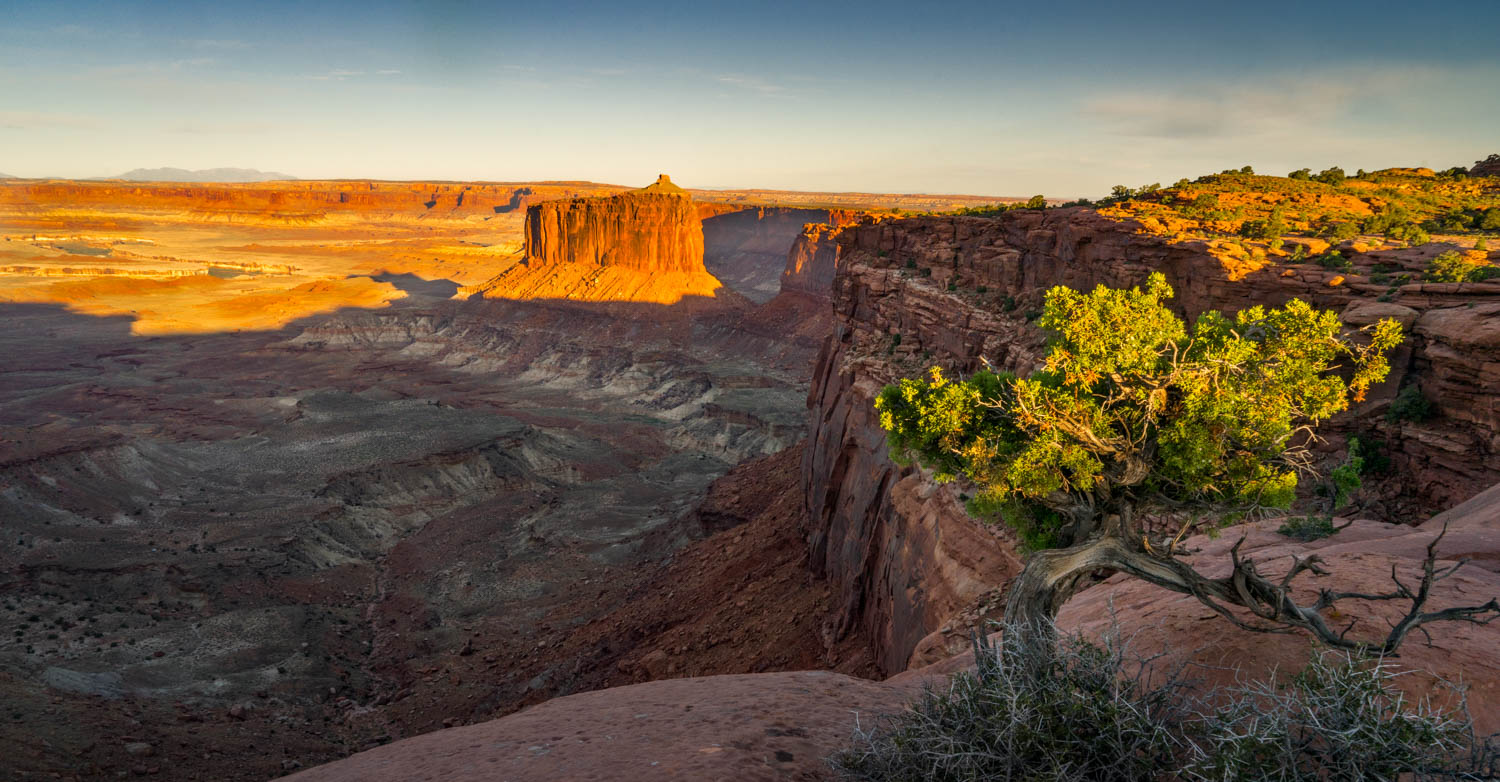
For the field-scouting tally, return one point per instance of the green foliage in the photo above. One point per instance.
(1410, 405)
(1270, 228)
(1334, 260)
(1036, 202)
(1308, 528)
(1481, 244)
(1301, 174)
(1339, 231)
(1131, 400)
(1376, 455)
(1343, 480)
(1331, 176)
(1453, 266)
(1098, 712)
(1030, 713)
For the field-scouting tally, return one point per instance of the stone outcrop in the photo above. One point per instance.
(747, 248)
(769, 726)
(642, 231)
(1490, 166)
(812, 261)
(299, 200)
(949, 291)
(641, 246)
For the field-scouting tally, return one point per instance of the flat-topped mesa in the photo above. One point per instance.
(654, 229)
(639, 246)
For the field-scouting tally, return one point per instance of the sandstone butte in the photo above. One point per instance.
(644, 246)
(914, 574)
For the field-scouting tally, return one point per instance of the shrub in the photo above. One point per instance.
(1306, 528)
(1301, 174)
(1334, 260)
(1339, 232)
(1036, 202)
(1331, 176)
(1453, 266)
(1096, 711)
(1409, 405)
(1030, 713)
(1341, 719)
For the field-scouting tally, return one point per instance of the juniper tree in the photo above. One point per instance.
(1140, 427)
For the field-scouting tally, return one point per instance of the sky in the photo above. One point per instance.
(991, 98)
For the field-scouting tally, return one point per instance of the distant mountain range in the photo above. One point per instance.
(6, 176)
(201, 175)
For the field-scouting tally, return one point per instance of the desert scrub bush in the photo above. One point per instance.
(1077, 711)
(1308, 528)
(1409, 405)
(1082, 711)
(1341, 719)
(1334, 260)
(1453, 266)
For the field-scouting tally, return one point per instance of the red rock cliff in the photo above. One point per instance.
(300, 199)
(947, 290)
(747, 248)
(649, 232)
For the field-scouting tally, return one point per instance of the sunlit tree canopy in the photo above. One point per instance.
(1134, 405)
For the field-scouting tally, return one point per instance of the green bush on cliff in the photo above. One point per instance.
(1453, 266)
(1133, 403)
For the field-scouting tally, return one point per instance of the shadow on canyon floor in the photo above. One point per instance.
(375, 523)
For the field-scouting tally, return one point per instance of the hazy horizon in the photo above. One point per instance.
(952, 98)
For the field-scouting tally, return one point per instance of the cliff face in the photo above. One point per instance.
(301, 200)
(747, 248)
(911, 293)
(644, 246)
(812, 261)
(1490, 166)
(648, 232)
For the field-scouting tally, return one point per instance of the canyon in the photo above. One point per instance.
(605, 457)
(275, 526)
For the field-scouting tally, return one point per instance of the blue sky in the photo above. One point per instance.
(1063, 99)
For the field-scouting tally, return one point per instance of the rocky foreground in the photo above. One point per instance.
(778, 726)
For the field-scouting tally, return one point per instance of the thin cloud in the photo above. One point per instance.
(222, 128)
(754, 85)
(1271, 107)
(219, 44)
(338, 74)
(32, 120)
(388, 72)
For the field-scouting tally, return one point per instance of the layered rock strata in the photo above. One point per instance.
(747, 248)
(643, 231)
(643, 246)
(953, 291)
